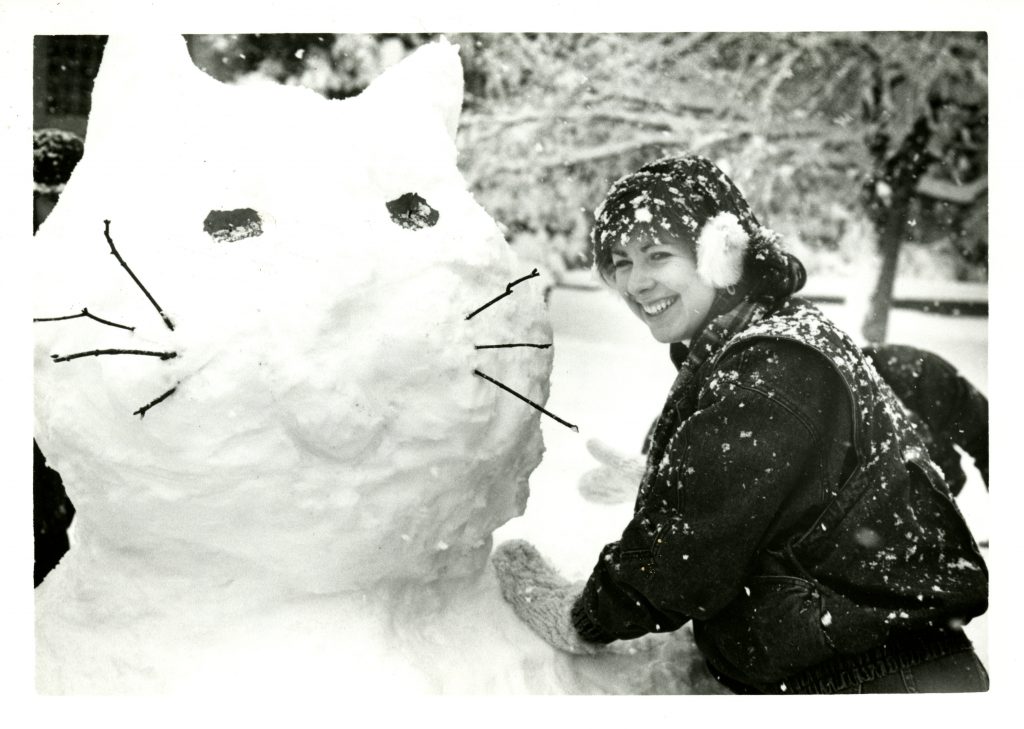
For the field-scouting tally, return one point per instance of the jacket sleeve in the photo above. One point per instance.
(726, 473)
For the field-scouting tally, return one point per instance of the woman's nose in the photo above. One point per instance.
(639, 280)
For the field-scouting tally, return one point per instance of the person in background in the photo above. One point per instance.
(951, 410)
(789, 509)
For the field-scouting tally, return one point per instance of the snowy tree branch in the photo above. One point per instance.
(639, 119)
(951, 191)
(689, 142)
(784, 72)
(598, 152)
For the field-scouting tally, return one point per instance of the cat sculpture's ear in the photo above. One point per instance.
(427, 82)
(142, 76)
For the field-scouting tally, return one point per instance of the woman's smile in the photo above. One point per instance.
(658, 306)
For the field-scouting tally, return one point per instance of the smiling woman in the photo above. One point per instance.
(789, 507)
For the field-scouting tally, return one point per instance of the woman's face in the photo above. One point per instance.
(660, 284)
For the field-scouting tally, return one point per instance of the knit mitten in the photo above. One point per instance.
(616, 480)
(541, 597)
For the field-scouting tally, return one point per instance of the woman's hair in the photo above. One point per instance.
(670, 201)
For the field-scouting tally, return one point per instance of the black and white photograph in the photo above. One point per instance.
(458, 356)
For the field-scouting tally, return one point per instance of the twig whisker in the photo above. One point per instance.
(508, 291)
(514, 344)
(113, 250)
(98, 352)
(525, 399)
(141, 412)
(86, 314)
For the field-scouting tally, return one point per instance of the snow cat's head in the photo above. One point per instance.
(251, 334)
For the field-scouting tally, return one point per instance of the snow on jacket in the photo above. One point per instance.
(790, 510)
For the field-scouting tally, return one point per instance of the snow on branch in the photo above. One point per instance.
(683, 139)
(784, 71)
(602, 151)
(487, 128)
(659, 121)
(963, 194)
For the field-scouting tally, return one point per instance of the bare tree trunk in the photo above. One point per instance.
(890, 241)
(897, 176)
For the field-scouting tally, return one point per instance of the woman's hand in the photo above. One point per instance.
(617, 478)
(540, 596)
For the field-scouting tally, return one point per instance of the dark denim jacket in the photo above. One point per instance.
(793, 515)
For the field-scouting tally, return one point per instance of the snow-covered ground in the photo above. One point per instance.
(610, 378)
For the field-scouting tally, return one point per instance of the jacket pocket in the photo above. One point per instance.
(776, 627)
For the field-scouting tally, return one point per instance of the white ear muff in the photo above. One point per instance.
(721, 247)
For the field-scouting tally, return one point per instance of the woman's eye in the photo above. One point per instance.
(659, 255)
(620, 264)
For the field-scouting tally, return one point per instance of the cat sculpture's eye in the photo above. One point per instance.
(226, 226)
(412, 212)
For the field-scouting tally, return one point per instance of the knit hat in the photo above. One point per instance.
(689, 200)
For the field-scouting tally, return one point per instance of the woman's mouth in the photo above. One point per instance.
(654, 308)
